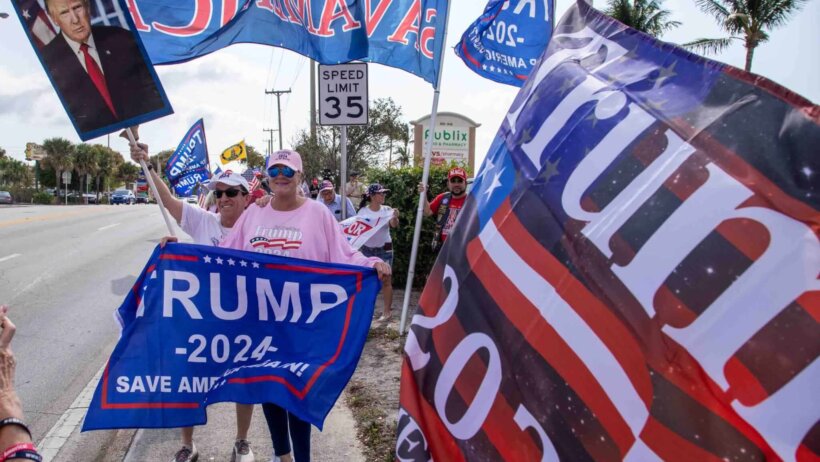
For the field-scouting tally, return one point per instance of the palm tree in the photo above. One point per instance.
(745, 20)
(127, 172)
(104, 159)
(58, 156)
(644, 15)
(85, 163)
(14, 173)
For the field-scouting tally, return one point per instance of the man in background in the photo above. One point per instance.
(333, 201)
(354, 189)
(447, 205)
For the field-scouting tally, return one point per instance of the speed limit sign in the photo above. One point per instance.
(343, 94)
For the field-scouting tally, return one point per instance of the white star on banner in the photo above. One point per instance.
(255, 265)
(231, 261)
(495, 184)
(243, 263)
(26, 14)
(488, 166)
(219, 260)
(206, 259)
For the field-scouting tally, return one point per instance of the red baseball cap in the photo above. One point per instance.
(457, 171)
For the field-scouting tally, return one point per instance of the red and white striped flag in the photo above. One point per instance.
(38, 23)
(252, 175)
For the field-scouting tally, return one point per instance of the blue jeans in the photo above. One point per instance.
(379, 252)
(285, 427)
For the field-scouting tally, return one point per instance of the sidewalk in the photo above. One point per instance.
(337, 443)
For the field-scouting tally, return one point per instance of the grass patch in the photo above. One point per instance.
(383, 333)
(374, 430)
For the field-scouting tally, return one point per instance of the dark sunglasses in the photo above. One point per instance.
(456, 180)
(274, 171)
(233, 192)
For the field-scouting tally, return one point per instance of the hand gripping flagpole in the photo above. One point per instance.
(428, 149)
(154, 190)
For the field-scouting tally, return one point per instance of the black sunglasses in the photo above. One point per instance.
(456, 180)
(233, 192)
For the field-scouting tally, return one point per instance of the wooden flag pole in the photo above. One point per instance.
(428, 149)
(133, 140)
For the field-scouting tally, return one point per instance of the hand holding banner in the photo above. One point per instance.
(205, 325)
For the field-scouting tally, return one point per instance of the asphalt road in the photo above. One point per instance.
(63, 272)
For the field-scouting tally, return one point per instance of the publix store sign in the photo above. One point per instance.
(453, 139)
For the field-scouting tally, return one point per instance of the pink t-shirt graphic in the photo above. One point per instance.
(310, 232)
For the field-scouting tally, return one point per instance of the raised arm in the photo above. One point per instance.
(423, 191)
(171, 203)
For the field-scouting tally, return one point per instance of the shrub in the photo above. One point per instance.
(42, 197)
(403, 195)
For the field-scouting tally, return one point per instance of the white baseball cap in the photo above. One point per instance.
(229, 178)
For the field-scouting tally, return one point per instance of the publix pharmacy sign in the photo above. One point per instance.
(453, 139)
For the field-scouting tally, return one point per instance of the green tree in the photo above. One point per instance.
(14, 173)
(59, 156)
(2, 152)
(127, 173)
(746, 21)
(366, 145)
(255, 158)
(647, 16)
(160, 160)
(106, 165)
(85, 163)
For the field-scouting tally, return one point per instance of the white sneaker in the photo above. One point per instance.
(242, 452)
(186, 454)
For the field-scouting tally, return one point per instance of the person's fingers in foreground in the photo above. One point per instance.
(8, 329)
(166, 240)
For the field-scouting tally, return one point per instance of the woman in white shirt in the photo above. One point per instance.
(381, 244)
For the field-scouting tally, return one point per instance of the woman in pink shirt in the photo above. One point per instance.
(293, 226)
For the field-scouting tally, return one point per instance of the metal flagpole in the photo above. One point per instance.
(428, 148)
(152, 185)
(343, 153)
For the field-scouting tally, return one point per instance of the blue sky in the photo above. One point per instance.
(227, 87)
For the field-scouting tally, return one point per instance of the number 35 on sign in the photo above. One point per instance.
(343, 94)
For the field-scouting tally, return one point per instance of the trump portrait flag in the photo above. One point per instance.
(96, 64)
(635, 273)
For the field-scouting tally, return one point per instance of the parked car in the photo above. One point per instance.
(142, 199)
(5, 198)
(123, 196)
(91, 198)
(192, 200)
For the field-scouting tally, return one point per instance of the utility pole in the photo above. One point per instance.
(270, 141)
(312, 100)
(278, 93)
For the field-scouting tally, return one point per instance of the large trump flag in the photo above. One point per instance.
(635, 274)
(406, 34)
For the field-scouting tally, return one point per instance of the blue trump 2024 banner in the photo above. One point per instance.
(189, 163)
(504, 43)
(406, 34)
(205, 325)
